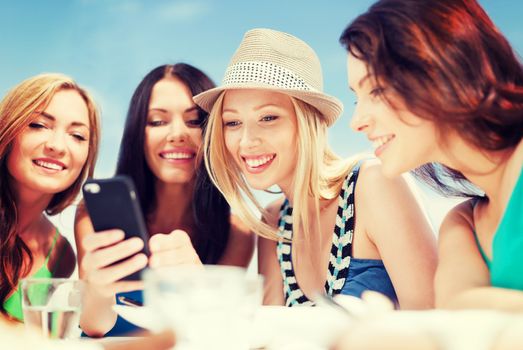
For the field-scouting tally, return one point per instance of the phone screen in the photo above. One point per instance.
(113, 204)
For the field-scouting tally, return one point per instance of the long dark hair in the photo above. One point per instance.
(17, 110)
(210, 210)
(449, 64)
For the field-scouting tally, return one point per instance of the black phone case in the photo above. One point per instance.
(113, 203)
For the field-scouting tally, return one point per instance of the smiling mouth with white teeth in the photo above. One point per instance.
(258, 162)
(48, 165)
(379, 142)
(177, 155)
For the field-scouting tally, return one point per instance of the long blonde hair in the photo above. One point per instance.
(318, 170)
(17, 110)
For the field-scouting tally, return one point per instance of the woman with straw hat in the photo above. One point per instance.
(267, 126)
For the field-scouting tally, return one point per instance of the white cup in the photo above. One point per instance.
(206, 306)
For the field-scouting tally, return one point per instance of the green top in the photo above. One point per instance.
(483, 254)
(506, 270)
(13, 304)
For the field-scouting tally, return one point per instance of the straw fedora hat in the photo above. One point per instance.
(276, 61)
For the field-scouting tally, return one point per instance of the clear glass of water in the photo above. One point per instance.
(206, 306)
(52, 306)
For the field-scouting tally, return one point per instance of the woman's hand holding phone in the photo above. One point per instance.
(113, 203)
(105, 248)
(103, 269)
(102, 250)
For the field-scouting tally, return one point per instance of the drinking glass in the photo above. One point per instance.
(52, 306)
(206, 306)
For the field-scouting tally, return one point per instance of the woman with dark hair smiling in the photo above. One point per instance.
(187, 217)
(437, 82)
(440, 91)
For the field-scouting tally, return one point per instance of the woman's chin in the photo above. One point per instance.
(258, 185)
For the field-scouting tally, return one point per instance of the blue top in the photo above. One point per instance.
(506, 268)
(368, 274)
(122, 327)
(476, 239)
(345, 275)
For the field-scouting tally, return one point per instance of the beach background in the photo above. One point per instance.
(109, 45)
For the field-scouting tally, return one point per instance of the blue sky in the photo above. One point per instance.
(109, 45)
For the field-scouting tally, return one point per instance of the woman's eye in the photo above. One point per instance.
(269, 118)
(377, 91)
(156, 123)
(35, 125)
(79, 137)
(231, 124)
(195, 123)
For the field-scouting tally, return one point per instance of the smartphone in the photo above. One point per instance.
(113, 204)
(129, 301)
